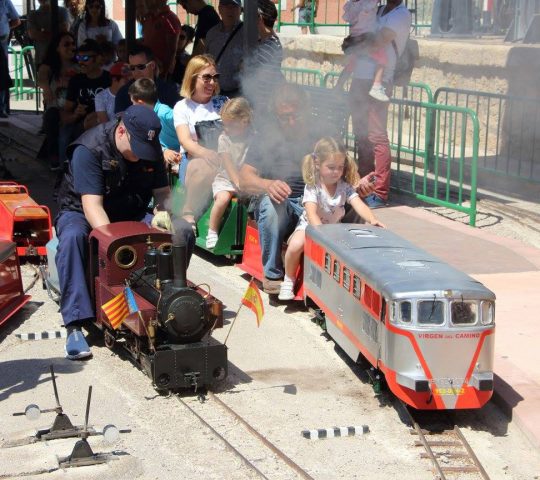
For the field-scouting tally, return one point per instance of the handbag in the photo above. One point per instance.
(208, 132)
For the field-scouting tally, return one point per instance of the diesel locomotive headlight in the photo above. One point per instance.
(488, 313)
(125, 256)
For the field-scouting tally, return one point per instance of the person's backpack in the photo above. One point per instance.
(405, 62)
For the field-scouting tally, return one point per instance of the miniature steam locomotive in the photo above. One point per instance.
(426, 326)
(170, 335)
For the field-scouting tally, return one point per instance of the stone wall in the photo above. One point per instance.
(474, 65)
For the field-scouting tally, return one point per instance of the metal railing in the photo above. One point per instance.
(23, 61)
(435, 146)
(436, 153)
(303, 76)
(509, 130)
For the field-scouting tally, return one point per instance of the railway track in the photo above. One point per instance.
(255, 451)
(445, 446)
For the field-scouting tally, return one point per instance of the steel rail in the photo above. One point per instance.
(456, 440)
(428, 449)
(471, 453)
(299, 470)
(228, 445)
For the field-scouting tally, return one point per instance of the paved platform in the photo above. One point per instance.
(510, 269)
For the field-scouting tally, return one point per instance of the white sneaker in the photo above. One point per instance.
(211, 239)
(286, 290)
(378, 93)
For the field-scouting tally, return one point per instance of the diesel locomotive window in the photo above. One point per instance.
(488, 312)
(337, 271)
(464, 313)
(327, 263)
(346, 278)
(430, 312)
(405, 312)
(356, 290)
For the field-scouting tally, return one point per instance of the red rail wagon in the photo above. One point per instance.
(23, 221)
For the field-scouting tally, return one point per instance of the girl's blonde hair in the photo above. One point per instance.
(193, 68)
(237, 109)
(324, 149)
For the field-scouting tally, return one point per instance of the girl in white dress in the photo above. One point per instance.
(236, 116)
(329, 174)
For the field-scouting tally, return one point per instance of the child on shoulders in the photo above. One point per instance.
(236, 116)
(329, 174)
(362, 17)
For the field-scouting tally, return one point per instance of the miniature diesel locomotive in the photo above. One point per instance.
(170, 335)
(426, 326)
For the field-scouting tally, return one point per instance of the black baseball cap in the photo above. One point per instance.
(143, 126)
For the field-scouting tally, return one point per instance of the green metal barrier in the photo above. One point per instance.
(19, 89)
(510, 130)
(435, 146)
(303, 76)
(436, 153)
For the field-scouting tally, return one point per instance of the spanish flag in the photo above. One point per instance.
(252, 300)
(120, 307)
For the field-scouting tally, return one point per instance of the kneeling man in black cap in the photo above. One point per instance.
(114, 170)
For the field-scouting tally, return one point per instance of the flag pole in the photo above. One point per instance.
(236, 316)
(232, 324)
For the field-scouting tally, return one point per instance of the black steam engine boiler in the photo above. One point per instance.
(170, 335)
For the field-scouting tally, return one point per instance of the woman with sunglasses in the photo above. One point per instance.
(97, 26)
(200, 89)
(53, 78)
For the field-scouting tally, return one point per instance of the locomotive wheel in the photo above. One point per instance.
(109, 339)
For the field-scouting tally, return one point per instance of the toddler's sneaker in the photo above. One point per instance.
(286, 290)
(76, 346)
(211, 239)
(378, 93)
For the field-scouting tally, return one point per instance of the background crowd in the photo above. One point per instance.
(221, 121)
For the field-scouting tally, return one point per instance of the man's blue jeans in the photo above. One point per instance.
(276, 221)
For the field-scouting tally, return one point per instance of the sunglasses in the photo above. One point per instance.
(140, 66)
(84, 58)
(207, 78)
(287, 117)
(94, 6)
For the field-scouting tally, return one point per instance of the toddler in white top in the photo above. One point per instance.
(236, 116)
(362, 17)
(330, 176)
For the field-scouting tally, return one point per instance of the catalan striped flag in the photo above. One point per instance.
(120, 307)
(252, 299)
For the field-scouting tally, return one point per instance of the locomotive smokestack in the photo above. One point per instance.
(179, 265)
